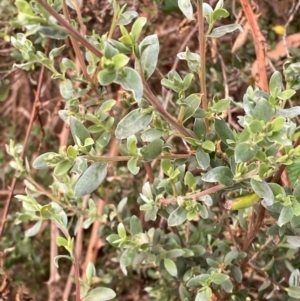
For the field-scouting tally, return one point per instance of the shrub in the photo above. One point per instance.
(197, 206)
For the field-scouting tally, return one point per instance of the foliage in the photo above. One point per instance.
(186, 240)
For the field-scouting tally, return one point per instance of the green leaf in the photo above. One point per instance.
(112, 238)
(132, 123)
(109, 51)
(220, 13)
(212, 263)
(34, 229)
(263, 190)
(222, 30)
(263, 110)
(186, 8)
(152, 150)
(187, 81)
(265, 285)
(202, 158)
(132, 165)
(135, 225)
(56, 52)
(177, 217)
(197, 280)
(277, 124)
(219, 4)
(78, 130)
(100, 294)
(198, 250)
(244, 201)
(207, 9)
(208, 145)
(219, 278)
(132, 145)
(171, 267)
(90, 271)
(296, 191)
(147, 192)
(222, 105)
(46, 211)
(288, 113)
(137, 28)
(275, 84)
(296, 207)
(62, 242)
(151, 135)
(120, 60)
(67, 64)
(285, 216)
(127, 257)
(220, 174)
(174, 253)
(58, 214)
(56, 258)
(269, 265)
(130, 80)
(40, 162)
(287, 94)
(184, 293)
(223, 130)
(151, 214)
(245, 151)
(227, 286)
(192, 104)
(149, 50)
(127, 17)
(190, 180)
(199, 128)
(293, 292)
(294, 279)
(72, 152)
(237, 274)
(106, 77)
(66, 89)
(122, 231)
(230, 256)
(24, 7)
(203, 211)
(63, 167)
(91, 179)
(204, 294)
(167, 166)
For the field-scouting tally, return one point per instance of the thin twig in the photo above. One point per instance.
(259, 44)
(208, 191)
(74, 41)
(70, 29)
(161, 110)
(292, 13)
(127, 158)
(183, 45)
(202, 50)
(22, 155)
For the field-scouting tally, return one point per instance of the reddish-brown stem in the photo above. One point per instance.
(22, 155)
(259, 44)
(75, 44)
(70, 29)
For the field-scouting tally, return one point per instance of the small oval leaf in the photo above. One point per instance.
(100, 294)
(132, 123)
(91, 179)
